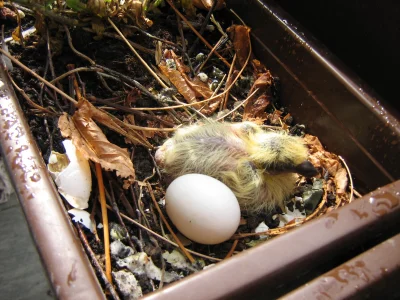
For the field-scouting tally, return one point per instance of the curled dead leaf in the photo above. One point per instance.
(94, 145)
(193, 90)
(263, 82)
(319, 157)
(240, 36)
(256, 106)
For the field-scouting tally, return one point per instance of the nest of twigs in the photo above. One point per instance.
(118, 84)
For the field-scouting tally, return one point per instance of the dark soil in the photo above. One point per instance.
(115, 55)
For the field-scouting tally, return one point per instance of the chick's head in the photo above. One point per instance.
(280, 153)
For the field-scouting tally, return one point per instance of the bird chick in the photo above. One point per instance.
(258, 166)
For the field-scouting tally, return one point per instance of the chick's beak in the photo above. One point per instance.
(306, 169)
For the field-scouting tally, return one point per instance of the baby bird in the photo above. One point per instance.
(258, 166)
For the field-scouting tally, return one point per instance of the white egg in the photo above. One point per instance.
(202, 208)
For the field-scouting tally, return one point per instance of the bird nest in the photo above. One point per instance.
(118, 80)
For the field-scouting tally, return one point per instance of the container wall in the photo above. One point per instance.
(334, 104)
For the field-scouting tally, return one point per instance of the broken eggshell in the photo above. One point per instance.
(83, 217)
(202, 208)
(71, 173)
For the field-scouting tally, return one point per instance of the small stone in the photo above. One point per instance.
(200, 57)
(214, 85)
(312, 197)
(127, 285)
(117, 232)
(217, 73)
(119, 250)
(203, 76)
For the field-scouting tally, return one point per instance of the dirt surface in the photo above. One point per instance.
(53, 57)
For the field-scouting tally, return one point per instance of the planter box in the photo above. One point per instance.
(335, 106)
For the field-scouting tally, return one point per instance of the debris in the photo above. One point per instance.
(119, 250)
(127, 285)
(83, 217)
(71, 173)
(312, 196)
(140, 264)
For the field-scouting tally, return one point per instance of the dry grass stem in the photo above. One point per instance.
(188, 255)
(38, 77)
(105, 221)
(235, 242)
(138, 55)
(350, 178)
(197, 33)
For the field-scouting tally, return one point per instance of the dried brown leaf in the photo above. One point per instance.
(275, 117)
(133, 136)
(240, 36)
(193, 90)
(255, 107)
(207, 4)
(263, 82)
(319, 157)
(258, 67)
(179, 82)
(94, 145)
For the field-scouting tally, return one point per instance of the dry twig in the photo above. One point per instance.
(105, 221)
(188, 255)
(350, 178)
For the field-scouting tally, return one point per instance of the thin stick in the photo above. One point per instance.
(280, 230)
(154, 37)
(227, 89)
(235, 109)
(117, 212)
(203, 26)
(38, 77)
(358, 195)
(163, 238)
(128, 110)
(188, 255)
(235, 242)
(105, 221)
(81, 69)
(81, 55)
(30, 101)
(350, 178)
(138, 55)
(96, 264)
(197, 33)
(117, 37)
(226, 96)
(209, 55)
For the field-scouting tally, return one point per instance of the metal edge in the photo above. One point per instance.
(346, 76)
(258, 272)
(296, 39)
(358, 277)
(61, 252)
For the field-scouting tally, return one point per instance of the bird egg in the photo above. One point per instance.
(202, 208)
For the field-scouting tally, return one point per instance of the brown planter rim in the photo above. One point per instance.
(69, 269)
